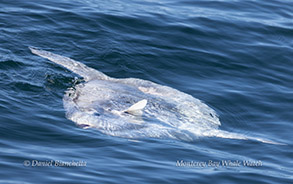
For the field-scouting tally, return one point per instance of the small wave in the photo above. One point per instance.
(10, 64)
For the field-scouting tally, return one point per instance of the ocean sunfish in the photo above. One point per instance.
(135, 108)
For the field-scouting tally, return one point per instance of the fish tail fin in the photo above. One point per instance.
(231, 135)
(79, 68)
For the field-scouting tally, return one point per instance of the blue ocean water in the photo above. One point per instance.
(235, 56)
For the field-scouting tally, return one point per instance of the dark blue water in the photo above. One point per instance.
(235, 56)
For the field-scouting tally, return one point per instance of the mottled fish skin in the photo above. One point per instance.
(102, 102)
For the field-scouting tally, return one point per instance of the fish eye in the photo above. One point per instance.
(97, 114)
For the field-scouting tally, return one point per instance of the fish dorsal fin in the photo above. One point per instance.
(77, 67)
(136, 108)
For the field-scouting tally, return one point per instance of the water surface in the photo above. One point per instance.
(235, 56)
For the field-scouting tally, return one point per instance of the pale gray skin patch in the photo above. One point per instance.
(100, 102)
(97, 104)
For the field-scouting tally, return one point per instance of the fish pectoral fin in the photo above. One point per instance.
(136, 108)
